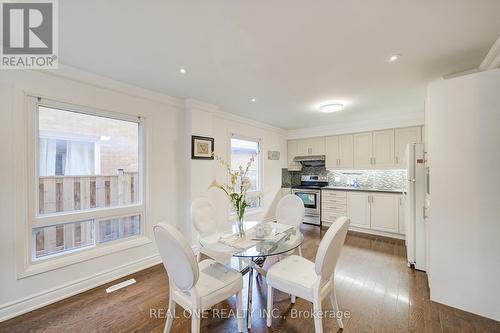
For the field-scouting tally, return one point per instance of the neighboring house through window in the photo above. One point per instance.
(242, 149)
(88, 179)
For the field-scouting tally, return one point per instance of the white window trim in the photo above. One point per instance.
(26, 265)
(259, 192)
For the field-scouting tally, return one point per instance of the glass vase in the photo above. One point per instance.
(240, 224)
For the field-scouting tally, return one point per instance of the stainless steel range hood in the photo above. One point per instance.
(311, 160)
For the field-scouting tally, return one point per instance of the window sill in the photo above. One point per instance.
(50, 264)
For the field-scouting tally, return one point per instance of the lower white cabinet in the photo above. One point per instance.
(374, 212)
(384, 212)
(358, 209)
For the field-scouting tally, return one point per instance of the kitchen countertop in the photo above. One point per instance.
(343, 188)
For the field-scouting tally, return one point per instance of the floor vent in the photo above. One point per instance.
(120, 285)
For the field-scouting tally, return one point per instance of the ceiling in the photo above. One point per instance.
(290, 55)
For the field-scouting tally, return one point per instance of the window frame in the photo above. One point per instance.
(259, 191)
(27, 264)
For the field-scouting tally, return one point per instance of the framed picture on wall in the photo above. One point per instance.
(202, 148)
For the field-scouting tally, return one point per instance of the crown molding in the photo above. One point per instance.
(492, 59)
(78, 75)
(192, 103)
(360, 124)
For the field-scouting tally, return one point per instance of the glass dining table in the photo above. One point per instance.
(251, 249)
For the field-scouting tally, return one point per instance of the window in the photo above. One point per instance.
(242, 149)
(88, 179)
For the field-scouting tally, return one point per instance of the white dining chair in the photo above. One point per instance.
(312, 281)
(204, 220)
(195, 286)
(290, 210)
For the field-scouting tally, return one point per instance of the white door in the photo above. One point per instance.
(358, 209)
(292, 152)
(404, 136)
(384, 212)
(304, 147)
(346, 151)
(383, 149)
(363, 150)
(402, 213)
(317, 146)
(332, 152)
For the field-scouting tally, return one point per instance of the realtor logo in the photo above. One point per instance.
(29, 34)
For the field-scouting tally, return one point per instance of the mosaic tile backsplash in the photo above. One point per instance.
(373, 179)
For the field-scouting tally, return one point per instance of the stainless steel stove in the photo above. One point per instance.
(309, 191)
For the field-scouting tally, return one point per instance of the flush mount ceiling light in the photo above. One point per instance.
(182, 70)
(333, 107)
(253, 100)
(394, 57)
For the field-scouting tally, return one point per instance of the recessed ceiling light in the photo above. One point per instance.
(394, 57)
(182, 70)
(328, 108)
(253, 100)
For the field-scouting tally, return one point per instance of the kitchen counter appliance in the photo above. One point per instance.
(309, 191)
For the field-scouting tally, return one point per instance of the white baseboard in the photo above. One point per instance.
(33, 302)
(369, 231)
(377, 232)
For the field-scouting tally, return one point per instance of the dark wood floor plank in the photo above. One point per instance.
(372, 282)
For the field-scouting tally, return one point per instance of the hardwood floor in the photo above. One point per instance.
(373, 284)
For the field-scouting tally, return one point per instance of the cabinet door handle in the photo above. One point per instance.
(338, 161)
(374, 160)
(397, 160)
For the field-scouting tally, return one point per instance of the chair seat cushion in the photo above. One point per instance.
(215, 284)
(294, 275)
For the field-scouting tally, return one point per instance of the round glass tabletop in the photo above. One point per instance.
(284, 239)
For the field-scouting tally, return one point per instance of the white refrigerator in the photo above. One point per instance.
(415, 206)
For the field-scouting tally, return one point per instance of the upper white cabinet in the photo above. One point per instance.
(385, 212)
(404, 136)
(332, 153)
(363, 150)
(292, 151)
(314, 146)
(383, 149)
(339, 152)
(370, 150)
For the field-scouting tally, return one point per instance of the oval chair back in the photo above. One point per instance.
(177, 256)
(330, 247)
(203, 216)
(290, 210)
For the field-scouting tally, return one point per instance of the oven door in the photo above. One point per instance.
(311, 200)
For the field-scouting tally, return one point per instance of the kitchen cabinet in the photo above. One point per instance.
(402, 214)
(333, 206)
(384, 212)
(383, 149)
(292, 151)
(363, 149)
(339, 151)
(314, 146)
(370, 212)
(404, 136)
(358, 209)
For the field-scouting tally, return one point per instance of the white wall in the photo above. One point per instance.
(167, 178)
(172, 177)
(463, 123)
(207, 120)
